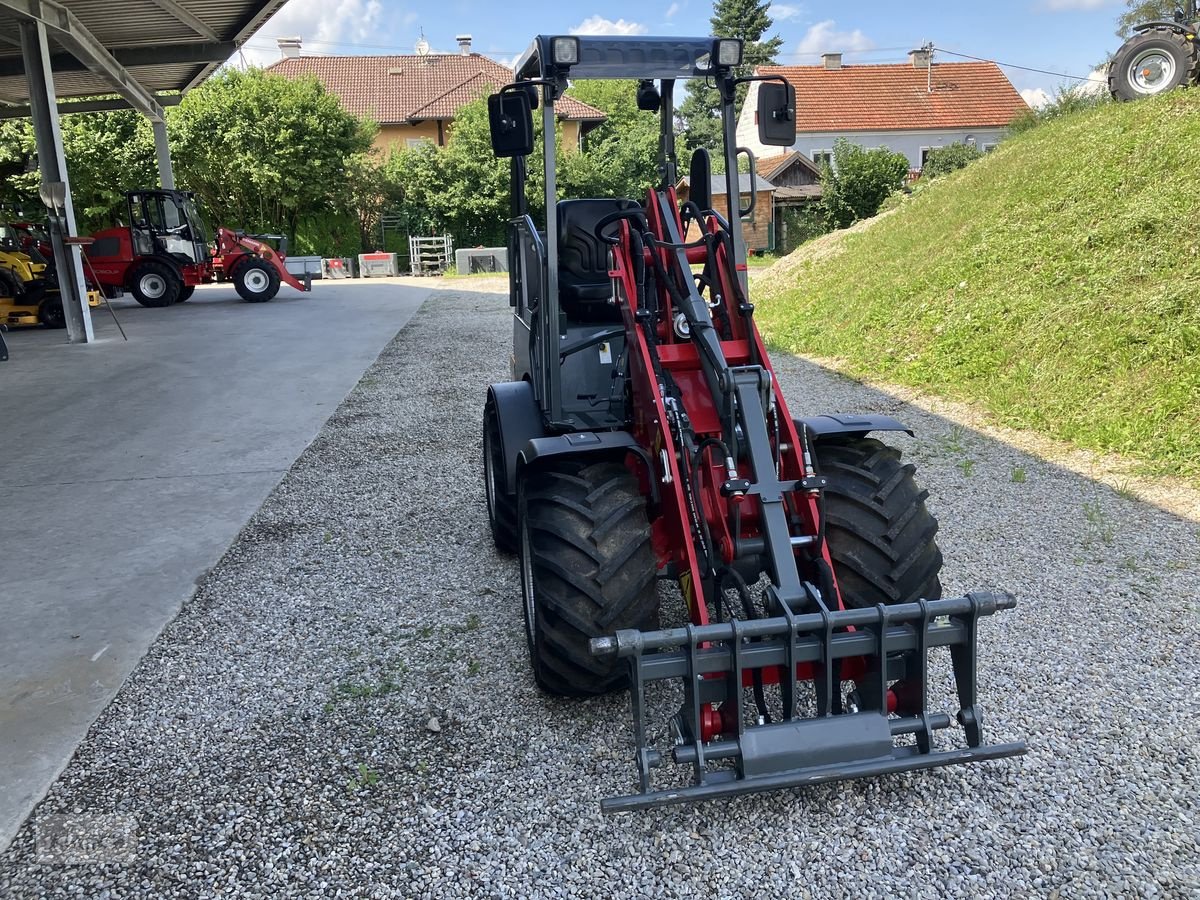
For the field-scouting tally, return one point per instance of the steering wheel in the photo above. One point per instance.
(635, 214)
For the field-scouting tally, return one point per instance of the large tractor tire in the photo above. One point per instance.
(587, 570)
(186, 292)
(51, 312)
(256, 280)
(1153, 62)
(154, 283)
(880, 535)
(501, 505)
(10, 285)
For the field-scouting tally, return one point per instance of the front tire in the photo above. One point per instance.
(154, 284)
(50, 311)
(256, 280)
(1153, 62)
(186, 292)
(587, 570)
(881, 537)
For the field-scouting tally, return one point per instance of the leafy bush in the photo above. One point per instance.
(800, 224)
(859, 181)
(944, 160)
(1068, 100)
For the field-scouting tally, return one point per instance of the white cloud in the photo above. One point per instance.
(601, 25)
(781, 12)
(825, 38)
(1035, 97)
(321, 24)
(672, 9)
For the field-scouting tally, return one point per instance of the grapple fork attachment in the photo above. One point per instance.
(884, 650)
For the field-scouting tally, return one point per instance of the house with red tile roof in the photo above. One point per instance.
(415, 97)
(910, 108)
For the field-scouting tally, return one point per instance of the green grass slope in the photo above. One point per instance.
(1055, 282)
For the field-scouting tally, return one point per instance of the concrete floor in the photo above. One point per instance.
(129, 468)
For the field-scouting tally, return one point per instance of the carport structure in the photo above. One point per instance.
(108, 54)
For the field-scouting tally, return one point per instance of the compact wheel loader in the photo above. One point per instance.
(644, 438)
(1160, 56)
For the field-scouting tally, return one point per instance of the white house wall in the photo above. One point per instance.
(910, 142)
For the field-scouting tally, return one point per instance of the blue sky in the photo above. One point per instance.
(1068, 37)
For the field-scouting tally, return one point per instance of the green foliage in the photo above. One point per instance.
(1054, 283)
(800, 224)
(263, 151)
(745, 19)
(1067, 100)
(1140, 11)
(951, 158)
(859, 181)
(620, 157)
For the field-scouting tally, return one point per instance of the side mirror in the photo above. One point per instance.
(511, 121)
(776, 114)
(700, 180)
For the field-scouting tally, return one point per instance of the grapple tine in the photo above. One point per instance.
(716, 662)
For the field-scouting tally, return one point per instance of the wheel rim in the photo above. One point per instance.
(489, 472)
(153, 285)
(527, 581)
(256, 281)
(1152, 71)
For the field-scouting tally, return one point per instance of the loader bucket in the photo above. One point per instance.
(884, 650)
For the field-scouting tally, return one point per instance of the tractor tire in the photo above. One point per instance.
(587, 570)
(501, 505)
(10, 285)
(880, 535)
(154, 283)
(1153, 62)
(186, 292)
(51, 312)
(256, 280)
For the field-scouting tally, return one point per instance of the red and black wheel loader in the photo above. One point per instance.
(165, 252)
(643, 440)
(1160, 57)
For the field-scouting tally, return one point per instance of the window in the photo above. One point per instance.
(822, 157)
(925, 155)
(413, 143)
(987, 148)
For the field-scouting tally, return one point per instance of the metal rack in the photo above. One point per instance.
(430, 255)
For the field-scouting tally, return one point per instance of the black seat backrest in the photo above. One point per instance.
(583, 283)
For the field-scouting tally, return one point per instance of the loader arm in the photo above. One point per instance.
(235, 243)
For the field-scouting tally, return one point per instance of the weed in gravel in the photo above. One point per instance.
(1019, 475)
(365, 778)
(967, 466)
(1129, 564)
(953, 441)
(1125, 491)
(360, 690)
(1100, 528)
(472, 624)
(474, 668)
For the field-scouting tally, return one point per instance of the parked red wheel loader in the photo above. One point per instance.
(165, 252)
(644, 438)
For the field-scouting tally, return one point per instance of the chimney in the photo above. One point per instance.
(464, 44)
(920, 58)
(832, 61)
(289, 47)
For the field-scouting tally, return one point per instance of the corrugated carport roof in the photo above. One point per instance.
(166, 45)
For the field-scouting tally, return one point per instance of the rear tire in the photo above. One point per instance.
(501, 505)
(50, 311)
(154, 284)
(1153, 62)
(587, 570)
(881, 537)
(256, 281)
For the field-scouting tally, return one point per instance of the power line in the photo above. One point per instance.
(1022, 68)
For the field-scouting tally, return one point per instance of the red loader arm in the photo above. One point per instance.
(234, 245)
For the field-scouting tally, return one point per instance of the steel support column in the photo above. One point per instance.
(35, 50)
(166, 173)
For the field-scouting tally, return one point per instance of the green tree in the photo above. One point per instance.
(620, 157)
(1140, 11)
(262, 150)
(745, 19)
(858, 182)
(951, 158)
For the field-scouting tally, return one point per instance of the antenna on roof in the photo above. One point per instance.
(422, 45)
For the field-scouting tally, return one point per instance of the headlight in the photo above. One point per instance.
(729, 52)
(564, 51)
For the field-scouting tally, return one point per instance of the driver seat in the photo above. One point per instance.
(584, 287)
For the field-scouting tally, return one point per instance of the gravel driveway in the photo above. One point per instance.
(345, 708)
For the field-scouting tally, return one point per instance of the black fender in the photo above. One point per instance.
(855, 426)
(1177, 27)
(584, 444)
(520, 420)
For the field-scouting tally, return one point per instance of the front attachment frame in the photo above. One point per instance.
(874, 647)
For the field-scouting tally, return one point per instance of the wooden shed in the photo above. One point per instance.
(758, 227)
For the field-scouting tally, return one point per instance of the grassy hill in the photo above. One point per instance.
(1055, 282)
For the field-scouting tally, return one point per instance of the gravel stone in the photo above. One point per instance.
(278, 739)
